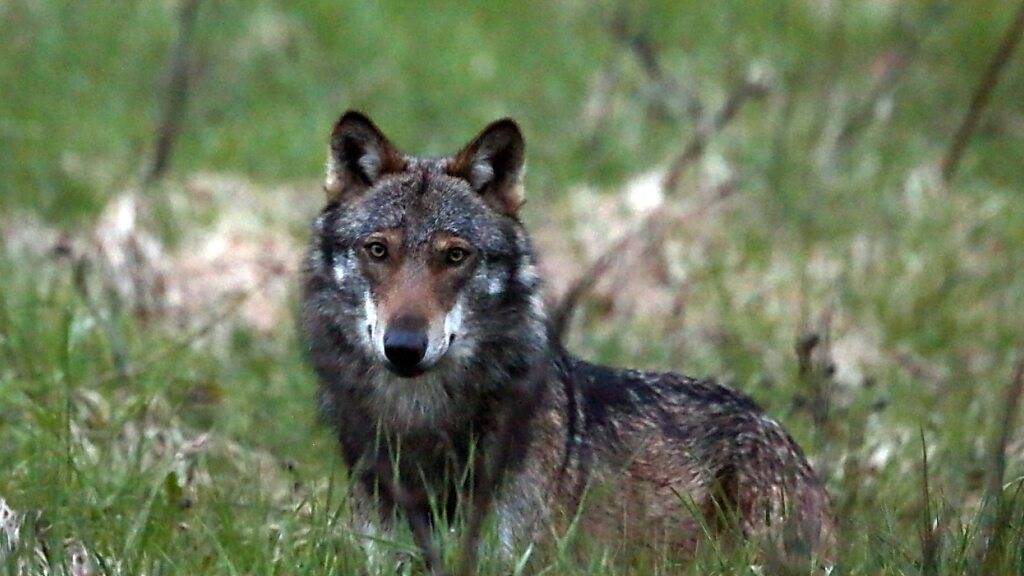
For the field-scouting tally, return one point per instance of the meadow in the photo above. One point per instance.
(798, 223)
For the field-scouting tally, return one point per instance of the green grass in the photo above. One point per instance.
(920, 285)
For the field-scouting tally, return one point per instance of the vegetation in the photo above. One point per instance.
(811, 253)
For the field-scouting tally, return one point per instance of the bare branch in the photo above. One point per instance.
(640, 44)
(982, 95)
(650, 229)
(895, 70)
(990, 537)
(750, 89)
(176, 94)
(652, 226)
(997, 457)
(930, 534)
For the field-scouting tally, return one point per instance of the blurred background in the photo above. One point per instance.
(818, 202)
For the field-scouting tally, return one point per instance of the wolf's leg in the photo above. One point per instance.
(489, 471)
(373, 518)
(373, 528)
(419, 522)
(380, 494)
(414, 505)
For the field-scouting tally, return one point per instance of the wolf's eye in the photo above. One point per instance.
(456, 256)
(377, 250)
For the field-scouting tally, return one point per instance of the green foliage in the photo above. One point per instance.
(927, 278)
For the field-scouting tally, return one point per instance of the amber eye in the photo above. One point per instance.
(377, 250)
(456, 256)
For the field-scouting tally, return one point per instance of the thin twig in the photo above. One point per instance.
(650, 229)
(600, 104)
(997, 457)
(895, 71)
(176, 93)
(804, 349)
(982, 95)
(929, 534)
(640, 44)
(747, 91)
(816, 376)
(651, 226)
(993, 527)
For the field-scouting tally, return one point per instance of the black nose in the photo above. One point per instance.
(405, 349)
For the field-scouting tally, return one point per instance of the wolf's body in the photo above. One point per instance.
(423, 318)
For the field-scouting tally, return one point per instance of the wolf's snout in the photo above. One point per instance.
(405, 348)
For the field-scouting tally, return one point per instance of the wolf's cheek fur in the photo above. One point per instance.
(459, 339)
(343, 265)
(369, 328)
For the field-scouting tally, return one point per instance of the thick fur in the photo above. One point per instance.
(533, 428)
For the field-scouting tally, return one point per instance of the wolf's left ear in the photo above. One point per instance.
(493, 165)
(359, 155)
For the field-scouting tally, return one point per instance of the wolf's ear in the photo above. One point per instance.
(493, 165)
(359, 155)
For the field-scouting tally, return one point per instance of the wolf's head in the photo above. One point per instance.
(420, 269)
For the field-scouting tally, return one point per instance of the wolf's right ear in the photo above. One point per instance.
(359, 155)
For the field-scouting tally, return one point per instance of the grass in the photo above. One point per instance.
(207, 458)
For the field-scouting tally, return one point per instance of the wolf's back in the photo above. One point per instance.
(671, 448)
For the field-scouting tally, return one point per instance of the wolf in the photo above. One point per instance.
(423, 317)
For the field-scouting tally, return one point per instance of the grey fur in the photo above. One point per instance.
(544, 427)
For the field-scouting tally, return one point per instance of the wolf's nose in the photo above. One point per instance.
(405, 349)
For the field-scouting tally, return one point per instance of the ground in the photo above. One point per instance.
(156, 414)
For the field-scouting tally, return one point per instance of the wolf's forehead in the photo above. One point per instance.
(421, 209)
